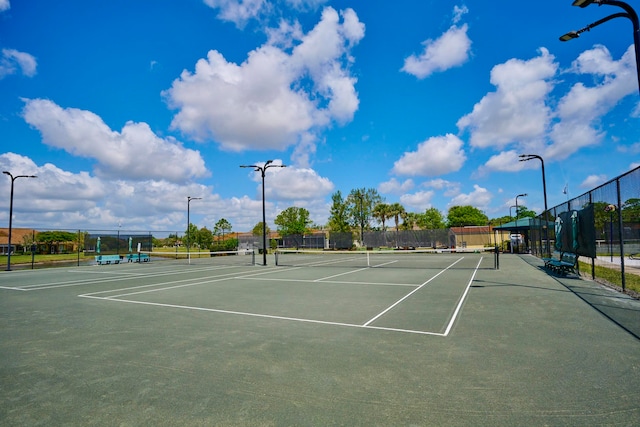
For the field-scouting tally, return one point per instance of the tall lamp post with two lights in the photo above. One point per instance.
(13, 178)
(628, 13)
(524, 158)
(263, 169)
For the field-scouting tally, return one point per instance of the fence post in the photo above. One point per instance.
(621, 235)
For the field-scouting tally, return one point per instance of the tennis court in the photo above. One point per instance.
(445, 340)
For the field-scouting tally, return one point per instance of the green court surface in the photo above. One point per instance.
(453, 343)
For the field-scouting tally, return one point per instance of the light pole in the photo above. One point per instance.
(628, 13)
(512, 206)
(519, 195)
(524, 158)
(13, 178)
(189, 199)
(262, 169)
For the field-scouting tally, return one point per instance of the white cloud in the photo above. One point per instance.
(305, 4)
(299, 184)
(134, 153)
(581, 109)
(53, 191)
(632, 149)
(12, 60)
(63, 199)
(241, 11)
(479, 197)
(458, 12)
(450, 50)
(505, 161)
(292, 183)
(516, 111)
(450, 188)
(277, 97)
(420, 200)
(435, 156)
(4, 5)
(59, 198)
(319, 53)
(393, 186)
(286, 187)
(238, 11)
(592, 181)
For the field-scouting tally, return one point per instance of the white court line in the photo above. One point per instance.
(146, 291)
(464, 295)
(81, 282)
(340, 274)
(199, 280)
(383, 264)
(316, 261)
(265, 316)
(331, 282)
(411, 293)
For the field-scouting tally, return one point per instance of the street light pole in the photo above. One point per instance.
(13, 178)
(519, 195)
(263, 169)
(524, 158)
(189, 199)
(628, 13)
(512, 206)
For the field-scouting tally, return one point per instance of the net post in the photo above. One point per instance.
(496, 258)
(275, 254)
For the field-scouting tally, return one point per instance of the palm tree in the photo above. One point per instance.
(396, 210)
(381, 213)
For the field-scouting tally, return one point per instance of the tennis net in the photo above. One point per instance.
(239, 257)
(418, 258)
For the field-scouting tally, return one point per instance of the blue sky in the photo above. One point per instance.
(124, 109)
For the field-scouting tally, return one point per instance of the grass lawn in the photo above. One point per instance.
(612, 276)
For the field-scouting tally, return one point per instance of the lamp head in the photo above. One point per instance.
(582, 3)
(569, 36)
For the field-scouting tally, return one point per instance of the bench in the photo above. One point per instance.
(565, 262)
(138, 258)
(107, 259)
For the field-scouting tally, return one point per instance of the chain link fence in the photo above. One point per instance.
(616, 208)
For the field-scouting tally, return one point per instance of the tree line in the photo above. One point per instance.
(364, 209)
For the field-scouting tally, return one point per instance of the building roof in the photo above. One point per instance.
(522, 224)
(17, 235)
